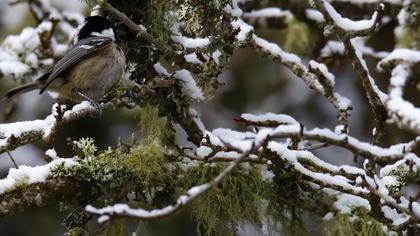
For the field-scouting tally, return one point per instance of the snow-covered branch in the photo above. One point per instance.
(17, 134)
(349, 28)
(403, 112)
(347, 31)
(314, 80)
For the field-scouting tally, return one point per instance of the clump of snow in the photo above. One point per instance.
(389, 180)
(245, 29)
(196, 190)
(78, 107)
(51, 153)
(25, 175)
(339, 129)
(280, 118)
(324, 70)
(393, 215)
(18, 128)
(228, 134)
(346, 202)
(196, 117)
(332, 47)
(270, 12)
(328, 216)
(347, 24)
(203, 151)
(192, 58)
(216, 56)
(187, 42)
(282, 151)
(189, 85)
(343, 103)
(160, 69)
(14, 50)
(401, 54)
(315, 15)
(13, 68)
(238, 140)
(233, 10)
(191, 42)
(401, 110)
(275, 50)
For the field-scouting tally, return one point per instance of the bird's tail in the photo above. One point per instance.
(18, 90)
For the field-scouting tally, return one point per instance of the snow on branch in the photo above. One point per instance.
(294, 63)
(410, 208)
(268, 13)
(350, 25)
(403, 112)
(361, 2)
(241, 145)
(400, 56)
(17, 134)
(347, 32)
(26, 175)
(187, 42)
(347, 27)
(296, 130)
(261, 16)
(315, 80)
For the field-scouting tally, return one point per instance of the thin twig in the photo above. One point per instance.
(315, 147)
(13, 160)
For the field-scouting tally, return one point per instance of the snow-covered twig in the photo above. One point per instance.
(263, 16)
(364, 149)
(348, 29)
(26, 175)
(375, 189)
(294, 63)
(405, 56)
(403, 112)
(17, 134)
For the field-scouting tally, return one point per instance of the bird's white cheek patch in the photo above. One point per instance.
(109, 33)
(87, 47)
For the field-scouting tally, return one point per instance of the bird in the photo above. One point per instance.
(87, 71)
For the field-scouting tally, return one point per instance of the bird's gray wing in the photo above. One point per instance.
(79, 51)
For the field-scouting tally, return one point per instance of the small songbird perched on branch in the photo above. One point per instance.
(88, 70)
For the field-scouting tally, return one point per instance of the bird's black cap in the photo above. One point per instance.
(94, 24)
